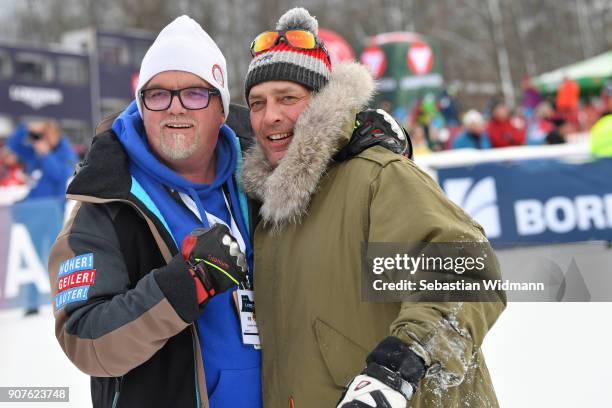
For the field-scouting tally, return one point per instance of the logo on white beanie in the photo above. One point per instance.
(184, 46)
(217, 73)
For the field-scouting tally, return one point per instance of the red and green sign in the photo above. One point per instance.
(406, 65)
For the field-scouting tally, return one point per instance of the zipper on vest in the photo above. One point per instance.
(118, 382)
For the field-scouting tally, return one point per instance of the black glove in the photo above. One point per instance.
(215, 261)
(376, 127)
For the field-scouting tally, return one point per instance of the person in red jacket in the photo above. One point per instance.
(11, 171)
(504, 130)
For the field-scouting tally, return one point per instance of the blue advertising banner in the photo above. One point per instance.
(535, 201)
(28, 230)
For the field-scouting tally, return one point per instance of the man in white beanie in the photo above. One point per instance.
(145, 272)
(474, 133)
(320, 208)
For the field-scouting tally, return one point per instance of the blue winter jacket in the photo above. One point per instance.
(466, 139)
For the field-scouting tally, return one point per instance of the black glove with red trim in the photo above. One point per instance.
(215, 261)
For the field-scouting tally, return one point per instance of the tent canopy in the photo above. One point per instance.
(590, 74)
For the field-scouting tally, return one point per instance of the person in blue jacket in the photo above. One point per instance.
(49, 162)
(159, 225)
(47, 155)
(474, 134)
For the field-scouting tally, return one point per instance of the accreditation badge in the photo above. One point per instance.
(245, 301)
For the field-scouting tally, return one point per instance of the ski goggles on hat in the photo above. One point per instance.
(300, 39)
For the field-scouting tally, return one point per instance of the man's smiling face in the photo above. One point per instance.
(178, 135)
(275, 107)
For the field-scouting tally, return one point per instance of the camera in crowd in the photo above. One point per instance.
(35, 136)
(47, 131)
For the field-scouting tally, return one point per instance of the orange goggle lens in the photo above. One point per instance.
(301, 39)
(296, 38)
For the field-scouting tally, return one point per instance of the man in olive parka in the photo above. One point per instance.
(317, 333)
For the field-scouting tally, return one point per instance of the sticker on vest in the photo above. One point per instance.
(245, 301)
(74, 278)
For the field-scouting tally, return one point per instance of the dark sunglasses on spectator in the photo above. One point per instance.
(192, 98)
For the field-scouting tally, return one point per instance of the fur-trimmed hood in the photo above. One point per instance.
(321, 131)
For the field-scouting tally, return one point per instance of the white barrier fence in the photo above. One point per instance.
(578, 151)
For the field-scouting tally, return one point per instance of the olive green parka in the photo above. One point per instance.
(316, 330)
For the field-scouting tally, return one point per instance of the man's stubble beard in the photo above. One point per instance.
(180, 148)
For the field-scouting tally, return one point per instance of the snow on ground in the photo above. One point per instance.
(539, 354)
(31, 357)
(552, 355)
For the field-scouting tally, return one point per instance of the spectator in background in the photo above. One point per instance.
(473, 135)
(541, 125)
(419, 143)
(49, 162)
(426, 115)
(11, 171)
(601, 132)
(503, 130)
(606, 92)
(558, 135)
(47, 155)
(590, 113)
(448, 107)
(531, 98)
(568, 97)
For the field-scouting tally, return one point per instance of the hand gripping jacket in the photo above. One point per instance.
(375, 127)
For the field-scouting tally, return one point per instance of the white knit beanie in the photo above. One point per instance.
(472, 117)
(184, 46)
